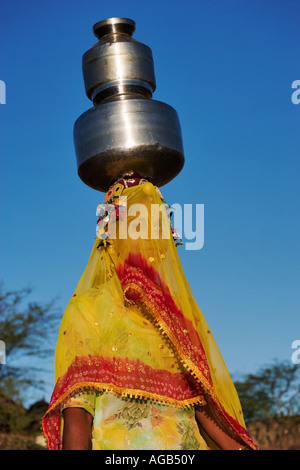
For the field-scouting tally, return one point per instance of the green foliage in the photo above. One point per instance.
(19, 426)
(25, 328)
(274, 391)
(12, 416)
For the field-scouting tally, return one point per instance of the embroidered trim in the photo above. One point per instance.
(128, 393)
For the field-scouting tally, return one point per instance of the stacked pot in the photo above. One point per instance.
(126, 130)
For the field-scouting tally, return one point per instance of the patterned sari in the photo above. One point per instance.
(132, 328)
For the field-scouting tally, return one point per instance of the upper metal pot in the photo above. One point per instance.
(117, 63)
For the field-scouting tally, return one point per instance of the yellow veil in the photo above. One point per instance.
(132, 326)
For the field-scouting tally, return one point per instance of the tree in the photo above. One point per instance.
(274, 391)
(25, 329)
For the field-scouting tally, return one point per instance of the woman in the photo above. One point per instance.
(136, 365)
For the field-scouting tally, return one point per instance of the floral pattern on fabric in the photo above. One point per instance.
(132, 424)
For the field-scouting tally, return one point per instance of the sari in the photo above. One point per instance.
(132, 327)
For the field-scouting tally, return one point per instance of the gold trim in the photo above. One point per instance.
(129, 393)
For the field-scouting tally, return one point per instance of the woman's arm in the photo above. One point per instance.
(77, 432)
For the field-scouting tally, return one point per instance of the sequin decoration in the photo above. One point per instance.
(112, 208)
(109, 213)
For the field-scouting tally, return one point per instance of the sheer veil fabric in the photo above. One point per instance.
(132, 326)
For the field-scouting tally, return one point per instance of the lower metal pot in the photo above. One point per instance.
(137, 134)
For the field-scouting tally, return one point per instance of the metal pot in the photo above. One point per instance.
(117, 64)
(126, 130)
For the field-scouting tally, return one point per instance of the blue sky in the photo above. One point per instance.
(227, 68)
